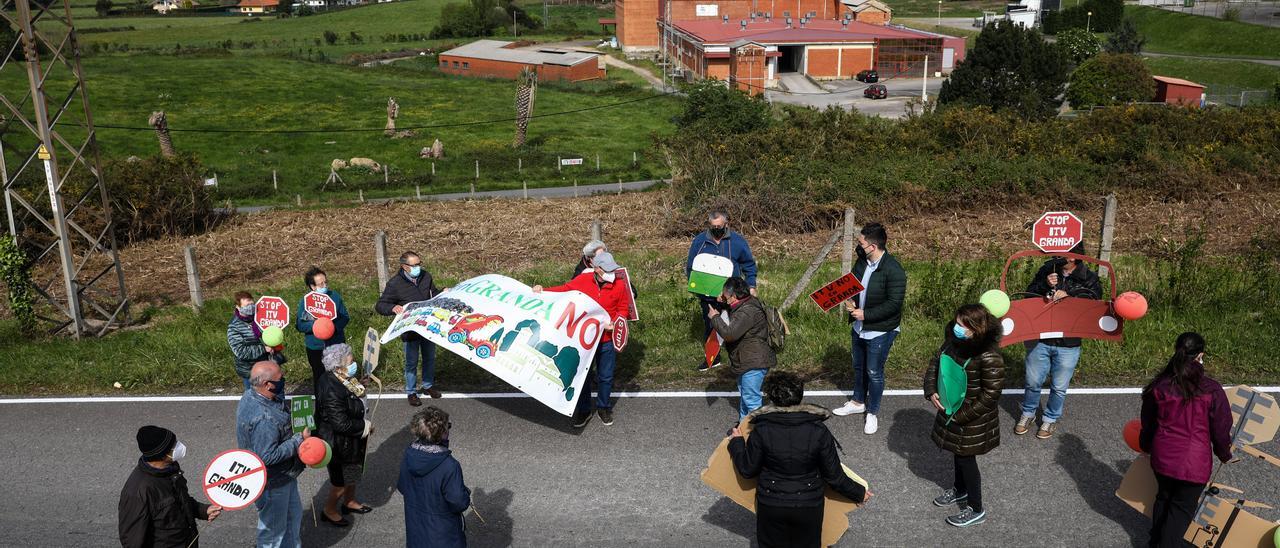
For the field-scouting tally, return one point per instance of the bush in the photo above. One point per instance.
(103, 8)
(158, 197)
(1107, 15)
(1111, 79)
(712, 106)
(480, 18)
(330, 37)
(15, 272)
(1231, 14)
(1009, 68)
(1078, 44)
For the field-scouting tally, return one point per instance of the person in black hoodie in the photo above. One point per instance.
(155, 508)
(435, 496)
(412, 283)
(793, 455)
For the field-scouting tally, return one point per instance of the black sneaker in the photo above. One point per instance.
(949, 497)
(414, 400)
(606, 416)
(703, 367)
(580, 421)
(967, 517)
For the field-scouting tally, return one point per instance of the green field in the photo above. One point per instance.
(1171, 32)
(1217, 75)
(950, 8)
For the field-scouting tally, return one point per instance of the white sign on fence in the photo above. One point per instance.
(571, 161)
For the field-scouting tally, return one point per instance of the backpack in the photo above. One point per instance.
(778, 329)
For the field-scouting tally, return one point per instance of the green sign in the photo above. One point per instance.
(303, 411)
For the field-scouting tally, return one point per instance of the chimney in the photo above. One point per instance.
(768, 16)
(788, 22)
(802, 22)
(725, 20)
(742, 24)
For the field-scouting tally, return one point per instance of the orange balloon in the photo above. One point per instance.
(322, 328)
(313, 451)
(1131, 305)
(1132, 433)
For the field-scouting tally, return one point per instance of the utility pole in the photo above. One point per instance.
(924, 81)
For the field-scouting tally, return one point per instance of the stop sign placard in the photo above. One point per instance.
(271, 312)
(320, 305)
(1057, 232)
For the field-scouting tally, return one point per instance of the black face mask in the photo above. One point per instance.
(277, 388)
(862, 254)
(718, 232)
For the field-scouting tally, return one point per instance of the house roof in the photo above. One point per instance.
(859, 6)
(258, 3)
(1177, 81)
(776, 31)
(497, 50)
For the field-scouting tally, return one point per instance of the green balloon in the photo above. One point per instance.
(1277, 539)
(996, 301)
(328, 454)
(272, 336)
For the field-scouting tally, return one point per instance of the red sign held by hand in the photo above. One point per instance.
(620, 334)
(271, 311)
(831, 295)
(1057, 232)
(320, 305)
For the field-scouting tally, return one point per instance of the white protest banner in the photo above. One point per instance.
(234, 479)
(540, 343)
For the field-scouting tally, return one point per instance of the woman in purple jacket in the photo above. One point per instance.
(1186, 420)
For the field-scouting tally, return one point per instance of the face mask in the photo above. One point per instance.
(179, 451)
(277, 388)
(415, 271)
(246, 310)
(959, 331)
(862, 253)
(322, 290)
(718, 231)
(352, 369)
(608, 277)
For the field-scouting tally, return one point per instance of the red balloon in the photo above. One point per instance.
(322, 328)
(312, 451)
(1131, 305)
(1132, 432)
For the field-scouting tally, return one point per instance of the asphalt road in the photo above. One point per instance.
(538, 483)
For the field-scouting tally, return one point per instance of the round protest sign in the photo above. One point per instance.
(234, 479)
(620, 334)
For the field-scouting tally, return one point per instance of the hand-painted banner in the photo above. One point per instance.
(540, 343)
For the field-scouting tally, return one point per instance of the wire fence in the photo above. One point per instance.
(1237, 96)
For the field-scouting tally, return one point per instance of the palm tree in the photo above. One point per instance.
(526, 88)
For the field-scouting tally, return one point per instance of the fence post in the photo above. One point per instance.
(597, 162)
(477, 169)
(433, 169)
(380, 255)
(846, 252)
(575, 188)
(386, 175)
(558, 168)
(193, 277)
(361, 191)
(619, 185)
(275, 185)
(596, 230)
(519, 165)
(417, 191)
(473, 190)
(526, 190)
(1108, 232)
(298, 198)
(633, 158)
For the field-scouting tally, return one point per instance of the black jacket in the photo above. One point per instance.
(886, 291)
(975, 427)
(340, 420)
(746, 336)
(156, 509)
(400, 291)
(1081, 283)
(794, 456)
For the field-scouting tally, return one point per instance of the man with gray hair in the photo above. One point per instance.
(263, 426)
(411, 284)
(717, 239)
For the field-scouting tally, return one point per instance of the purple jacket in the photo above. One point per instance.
(1183, 435)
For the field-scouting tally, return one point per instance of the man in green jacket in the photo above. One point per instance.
(876, 317)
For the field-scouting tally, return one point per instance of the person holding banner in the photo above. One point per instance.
(615, 300)
(412, 284)
(744, 327)
(155, 508)
(263, 425)
(963, 383)
(435, 497)
(245, 339)
(340, 420)
(719, 240)
(589, 252)
(1186, 421)
(316, 280)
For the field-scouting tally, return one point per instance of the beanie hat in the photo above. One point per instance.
(155, 442)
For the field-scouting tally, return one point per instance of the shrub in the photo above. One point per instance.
(330, 37)
(103, 8)
(1126, 39)
(15, 272)
(157, 197)
(713, 106)
(1111, 79)
(1231, 14)
(480, 18)
(1078, 44)
(1107, 15)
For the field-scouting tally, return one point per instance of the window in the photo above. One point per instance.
(455, 64)
(466, 65)
(444, 63)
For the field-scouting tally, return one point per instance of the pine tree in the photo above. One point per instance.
(1126, 39)
(1009, 68)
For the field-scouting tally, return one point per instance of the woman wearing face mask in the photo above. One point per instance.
(963, 383)
(340, 420)
(1186, 421)
(155, 507)
(316, 280)
(245, 339)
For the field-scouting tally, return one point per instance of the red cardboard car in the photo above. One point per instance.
(1034, 317)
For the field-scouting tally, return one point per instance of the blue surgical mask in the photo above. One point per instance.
(352, 369)
(415, 271)
(322, 290)
(959, 331)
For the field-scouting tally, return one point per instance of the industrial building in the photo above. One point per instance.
(497, 59)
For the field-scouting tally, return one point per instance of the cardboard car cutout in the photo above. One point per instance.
(1035, 317)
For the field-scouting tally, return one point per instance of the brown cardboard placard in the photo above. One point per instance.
(1262, 420)
(1138, 488)
(1223, 523)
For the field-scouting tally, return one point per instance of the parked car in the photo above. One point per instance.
(868, 76)
(875, 91)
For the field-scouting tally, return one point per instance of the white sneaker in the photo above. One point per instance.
(850, 408)
(872, 424)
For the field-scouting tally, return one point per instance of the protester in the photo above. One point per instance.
(245, 339)
(746, 335)
(877, 318)
(155, 508)
(263, 426)
(793, 455)
(340, 420)
(719, 240)
(1054, 358)
(435, 496)
(1186, 420)
(612, 297)
(973, 427)
(412, 284)
(589, 252)
(316, 280)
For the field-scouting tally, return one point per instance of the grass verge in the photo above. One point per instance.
(1172, 32)
(1217, 75)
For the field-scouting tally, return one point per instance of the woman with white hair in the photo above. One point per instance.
(589, 252)
(340, 420)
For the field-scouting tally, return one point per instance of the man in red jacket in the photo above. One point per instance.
(599, 284)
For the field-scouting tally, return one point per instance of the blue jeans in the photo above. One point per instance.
(604, 362)
(1056, 363)
(749, 398)
(869, 356)
(411, 351)
(280, 517)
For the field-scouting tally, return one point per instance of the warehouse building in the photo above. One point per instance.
(497, 59)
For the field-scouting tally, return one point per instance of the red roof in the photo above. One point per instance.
(259, 3)
(1177, 81)
(776, 32)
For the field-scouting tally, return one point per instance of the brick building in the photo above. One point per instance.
(497, 59)
(1177, 91)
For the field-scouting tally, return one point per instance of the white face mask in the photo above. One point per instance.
(608, 277)
(179, 451)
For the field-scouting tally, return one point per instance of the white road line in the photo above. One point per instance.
(517, 395)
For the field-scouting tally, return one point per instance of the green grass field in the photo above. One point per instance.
(1171, 32)
(950, 8)
(1217, 74)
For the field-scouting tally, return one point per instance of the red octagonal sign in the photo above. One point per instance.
(1057, 232)
(271, 312)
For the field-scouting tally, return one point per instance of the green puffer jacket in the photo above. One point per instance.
(975, 427)
(886, 291)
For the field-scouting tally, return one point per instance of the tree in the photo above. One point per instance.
(1111, 79)
(330, 37)
(1078, 44)
(713, 107)
(103, 7)
(1106, 16)
(1009, 68)
(285, 8)
(480, 18)
(1126, 39)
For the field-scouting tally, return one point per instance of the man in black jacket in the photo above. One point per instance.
(155, 508)
(412, 283)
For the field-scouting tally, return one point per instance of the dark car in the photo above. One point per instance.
(875, 91)
(868, 76)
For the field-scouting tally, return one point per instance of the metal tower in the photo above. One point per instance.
(54, 192)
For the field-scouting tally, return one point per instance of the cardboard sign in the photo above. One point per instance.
(723, 477)
(1057, 232)
(320, 305)
(302, 409)
(372, 348)
(624, 278)
(271, 312)
(842, 289)
(1256, 416)
(234, 479)
(620, 334)
(708, 274)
